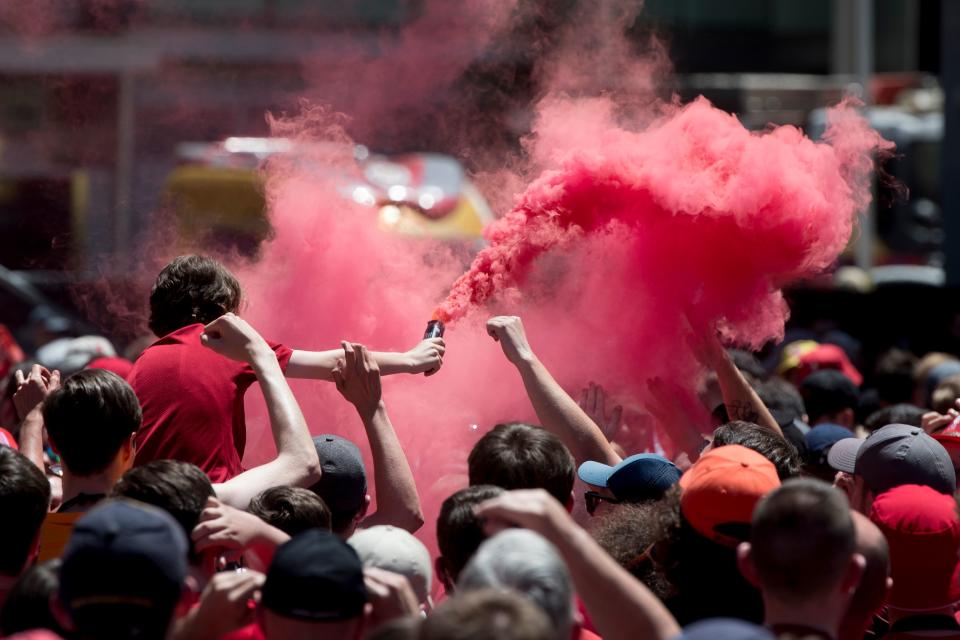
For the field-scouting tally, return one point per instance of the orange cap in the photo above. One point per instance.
(719, 492)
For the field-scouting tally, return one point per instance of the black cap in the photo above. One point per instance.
(123, 568)
(343, 484)
(315, 576)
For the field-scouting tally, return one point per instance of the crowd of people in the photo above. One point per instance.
(803, 499)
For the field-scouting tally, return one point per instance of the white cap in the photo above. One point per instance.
(392, 549)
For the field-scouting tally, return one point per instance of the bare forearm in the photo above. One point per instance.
(319, 365)
(398, 503)
(289, 428)
(31, 438)
(739, 398)
(562, 416)
(620, 605)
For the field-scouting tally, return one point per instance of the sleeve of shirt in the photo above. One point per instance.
(283, 357)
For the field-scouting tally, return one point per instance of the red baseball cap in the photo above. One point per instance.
(719, 492)
(828, 356)
(923, 531)
(120, 366)
(7, 438)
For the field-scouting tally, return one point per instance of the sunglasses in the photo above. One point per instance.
(593, 500)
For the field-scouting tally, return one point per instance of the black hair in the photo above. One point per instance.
(893, 376)
(179, 488)
(802, 539)
(192, 289)
(24, 500)
(293, 510)
(828, 392)
(685, 557)
(902, 413)
(748, 364)
(89, 419)
(770, 445)
(459, 531)
(28, 602)
(522, 456)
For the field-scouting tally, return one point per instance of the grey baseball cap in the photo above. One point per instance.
(895, 455)
(343, 483)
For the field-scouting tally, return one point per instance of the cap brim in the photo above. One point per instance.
(843, 454)
(595, 473)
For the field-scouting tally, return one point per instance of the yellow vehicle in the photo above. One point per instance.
(217, 190)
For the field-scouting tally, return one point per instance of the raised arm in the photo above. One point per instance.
(620, 605)
(358, 380)
(739, 398)
(32, 390)
(296, 463)
(557, 411)
(426, 357)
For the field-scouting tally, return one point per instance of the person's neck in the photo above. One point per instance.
(74, 485)
(895, 614)
(821, 614)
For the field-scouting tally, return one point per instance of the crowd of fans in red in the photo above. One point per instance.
(812, 506)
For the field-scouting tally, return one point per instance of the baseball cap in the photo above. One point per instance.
(343, 484)
(827, 392)
(315, 576)
(725, 629)
(948, 436)
(923, 531)
(6, 438)
(392, 549)
(895, 455)
(824, 436)
(828, 357)
(644, 476)
(123, 568)
(120, 366)
(720, 491)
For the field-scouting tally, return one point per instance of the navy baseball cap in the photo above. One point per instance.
(123, 570)
(895, 455)
(644, 476)
(724, 629)
(315, 576)
(824, 436)
(343, 483)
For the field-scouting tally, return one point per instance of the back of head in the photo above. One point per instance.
(24, 500)
(179, 488)
(828, 393)
(871, 592)
(89, 419)
(523, 456)
(28, 603)
(191, 289)
(487, 614)
(459, 531)
(802, 540)
(893, 376)
(123, 571)
(315, 577)
(525, 562)
(894, 414)
(771, 446)
(343, 483)
(923, 531)
(946, 393)
(783, 400)
(626, 532)
(293, 510)
(396, 550)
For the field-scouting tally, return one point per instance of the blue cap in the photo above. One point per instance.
(725, 629)
(823, 436)
(644, 476)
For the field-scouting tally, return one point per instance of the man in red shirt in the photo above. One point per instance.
(192, 397)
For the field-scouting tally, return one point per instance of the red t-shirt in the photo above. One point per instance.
(192, 400)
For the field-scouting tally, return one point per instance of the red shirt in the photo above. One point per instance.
(192, 400)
